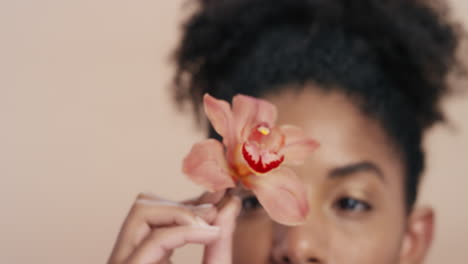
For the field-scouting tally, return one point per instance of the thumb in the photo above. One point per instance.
(220, 251)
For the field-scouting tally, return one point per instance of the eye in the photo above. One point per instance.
(348, 204)
(250, 203)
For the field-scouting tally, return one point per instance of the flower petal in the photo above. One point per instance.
(220, 115)
(297, 146)
(206, 165)
(249, 112)
(282, 195)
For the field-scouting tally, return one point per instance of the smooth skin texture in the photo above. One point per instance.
(155, 227)
(355, 188)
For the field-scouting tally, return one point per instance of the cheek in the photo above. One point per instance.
(252, 240)
(365, 251)
(367, 244)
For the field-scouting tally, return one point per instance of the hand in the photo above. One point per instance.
(155, 227)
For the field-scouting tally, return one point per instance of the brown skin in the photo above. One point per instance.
(355, 182)
(155, 227)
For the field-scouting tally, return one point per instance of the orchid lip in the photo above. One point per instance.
(258, 165)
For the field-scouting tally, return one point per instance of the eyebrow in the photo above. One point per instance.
(364, 166)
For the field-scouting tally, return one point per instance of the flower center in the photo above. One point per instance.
(264, 130)
(260, 151)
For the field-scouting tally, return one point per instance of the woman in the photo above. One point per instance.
(364, 78)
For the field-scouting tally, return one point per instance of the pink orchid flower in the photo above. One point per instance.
(254, 153)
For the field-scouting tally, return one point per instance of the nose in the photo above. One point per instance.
(299, 244)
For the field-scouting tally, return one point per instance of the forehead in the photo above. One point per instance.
(345, 133)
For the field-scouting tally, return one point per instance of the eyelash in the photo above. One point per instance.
(351, 205)
(343, 204)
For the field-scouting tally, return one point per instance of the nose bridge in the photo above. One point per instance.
(306, 243)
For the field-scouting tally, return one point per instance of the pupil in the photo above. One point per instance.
(349, 203)
(353, 205)
(250, 203)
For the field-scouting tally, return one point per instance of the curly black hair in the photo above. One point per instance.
(392, 57)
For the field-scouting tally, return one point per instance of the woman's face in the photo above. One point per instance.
(355, 183)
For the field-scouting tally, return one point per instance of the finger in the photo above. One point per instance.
(220, 251)
(204, 210)
(207, 198)
(161, 241)
(167, 258)
(163, 213)
(207, 212)
(150, 196)
(147, 214)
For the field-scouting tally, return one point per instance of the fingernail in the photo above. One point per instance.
(205, 225)
(156, 202)
(204, 207)
(201, 222)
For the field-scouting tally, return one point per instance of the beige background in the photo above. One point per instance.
(86, 123)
